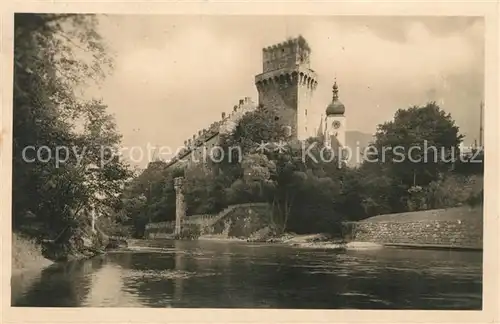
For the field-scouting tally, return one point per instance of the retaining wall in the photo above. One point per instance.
(240, 221)
(234, 221)
(460, 227)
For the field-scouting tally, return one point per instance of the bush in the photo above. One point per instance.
(111, 227)
(455, 190)
(476, 199)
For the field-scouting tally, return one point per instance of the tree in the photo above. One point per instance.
(280, 173)
(261, 125)
(149, 197)
(411, 152)
(203, 190)
(49, 68)
(253, 129)
(418, 145)
(453, 190)
(257, 171)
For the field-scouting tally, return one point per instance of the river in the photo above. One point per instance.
(213, 274)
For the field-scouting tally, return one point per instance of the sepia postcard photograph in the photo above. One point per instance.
(250, 161)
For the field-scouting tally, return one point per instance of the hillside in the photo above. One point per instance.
(357, 141)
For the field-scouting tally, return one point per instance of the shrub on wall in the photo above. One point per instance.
(189, 232)
(246, 221)
(241, 221)
(455, 190)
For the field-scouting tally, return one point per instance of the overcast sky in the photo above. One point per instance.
(175, 75)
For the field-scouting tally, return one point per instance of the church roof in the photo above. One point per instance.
(335, 107)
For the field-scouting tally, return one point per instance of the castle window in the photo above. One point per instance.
(276, 118)
(306, 112)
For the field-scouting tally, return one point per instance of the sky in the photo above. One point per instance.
(174, 75)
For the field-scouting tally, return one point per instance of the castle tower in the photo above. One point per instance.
(335, 122)
(287, 83)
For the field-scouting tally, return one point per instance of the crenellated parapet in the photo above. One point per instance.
(299, 76)
(225, 124)
(298, 41)
(230, 122)
(290, 53)
(213, 129)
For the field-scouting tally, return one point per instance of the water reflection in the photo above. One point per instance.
(215, 274)
(108, 289)
(61, 285)
(179, 267)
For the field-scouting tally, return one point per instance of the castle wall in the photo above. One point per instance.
(201, 154)
(238, 112)
(199, 148)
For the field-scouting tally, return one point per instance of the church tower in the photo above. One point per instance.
(335, 122)
(287, 84)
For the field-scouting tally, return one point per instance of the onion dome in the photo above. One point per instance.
(335, 107)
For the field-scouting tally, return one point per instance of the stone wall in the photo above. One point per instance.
(234, 221)
(159, 230)
(166, 229)
(460, 227)
(241, 221)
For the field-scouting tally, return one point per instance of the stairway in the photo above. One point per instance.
(221, 214)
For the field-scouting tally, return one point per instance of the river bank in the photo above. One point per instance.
(27, 255)
(310, 241)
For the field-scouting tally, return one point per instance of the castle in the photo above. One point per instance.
(287, 84)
